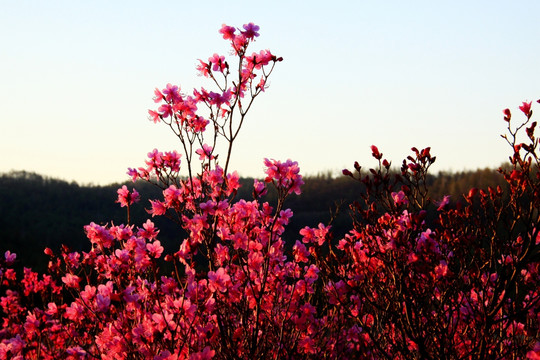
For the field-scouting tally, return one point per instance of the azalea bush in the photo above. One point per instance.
(414, 278)
(461, 284)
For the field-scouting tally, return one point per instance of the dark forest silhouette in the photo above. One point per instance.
(38, 211)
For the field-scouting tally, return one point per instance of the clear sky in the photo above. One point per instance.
(77, 79)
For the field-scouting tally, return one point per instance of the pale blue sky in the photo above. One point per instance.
(77, 78)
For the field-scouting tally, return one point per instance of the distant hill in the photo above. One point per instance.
(38, 212)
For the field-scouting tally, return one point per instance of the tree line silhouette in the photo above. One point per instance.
(38, 211)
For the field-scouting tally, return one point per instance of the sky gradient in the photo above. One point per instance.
(77, 79)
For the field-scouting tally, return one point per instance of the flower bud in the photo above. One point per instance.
(507, 114)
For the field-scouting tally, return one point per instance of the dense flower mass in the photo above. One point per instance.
(414, 278)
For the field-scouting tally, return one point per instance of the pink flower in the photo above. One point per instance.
(172, 93)
(218, 62)
(154, 116)
(227, 32)
(71, 280)
(205, 152)
(218, 280)
(300, 252)
(103, 302)
(126, 198)
(233, 183)
(158, 96)
(445, 201)
(203, 68)
(526, 108)
(308, 235)
(155, 249)
(312, 273)
(206, 354)
(162, 322)
(198, 124)
(99, 235)
(149, 230)
(158, 208)
(257, 61)
(285, 175)
(171, 159)
(239, 43)
(76, 352)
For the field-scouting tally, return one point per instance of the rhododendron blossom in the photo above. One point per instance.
(399, 198)
(205, 152)
(126, 198)
(526, 108)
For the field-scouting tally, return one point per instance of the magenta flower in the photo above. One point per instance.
(445, 201)
(219, 99)
(165, 110)
(250, 30)
(10, 257)
(259, 188)
(399, 198)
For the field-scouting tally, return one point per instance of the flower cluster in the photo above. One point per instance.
(414, 278)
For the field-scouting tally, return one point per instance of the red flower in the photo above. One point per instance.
(507, 114)
(526, 108)
(375, 152)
